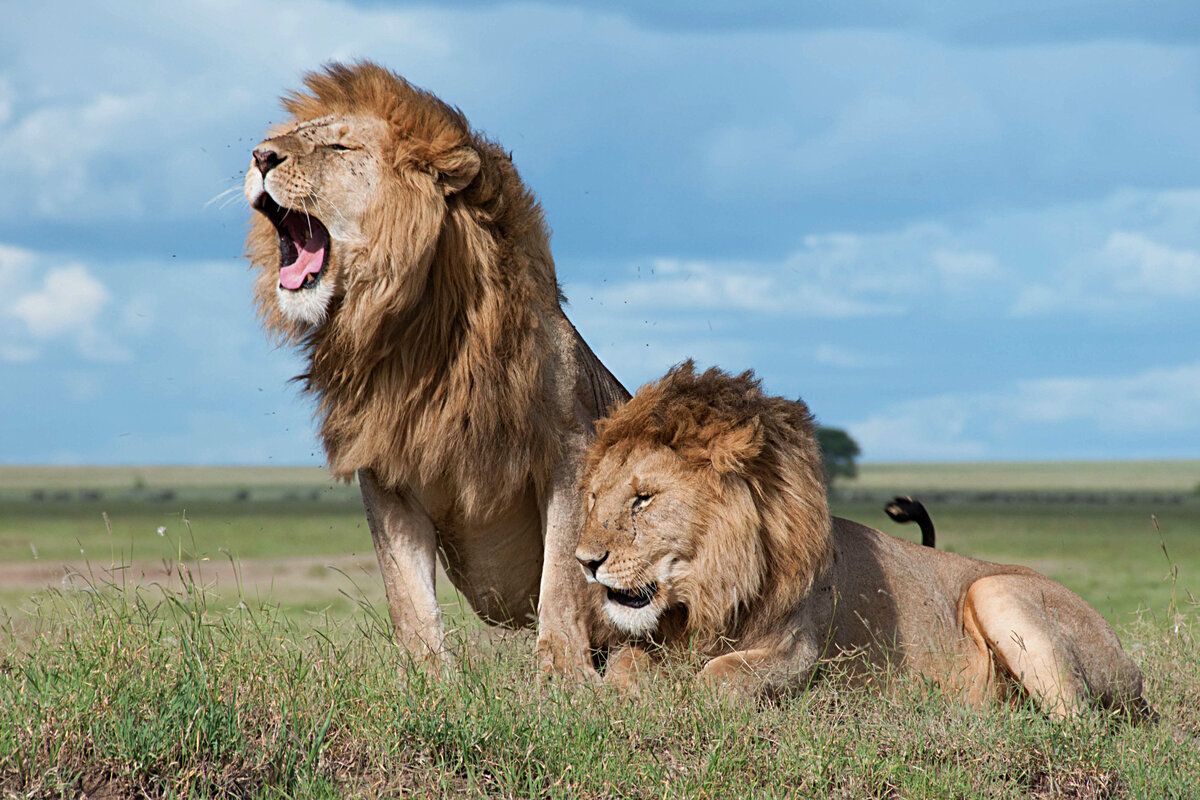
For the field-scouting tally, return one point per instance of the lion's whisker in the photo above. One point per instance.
(332, 206)
(230, 194)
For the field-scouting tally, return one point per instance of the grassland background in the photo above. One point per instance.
(1037, 476)
(300, 539)
(239, 649)
(1162, 475)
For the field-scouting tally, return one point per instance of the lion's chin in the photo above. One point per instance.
(309, 306)
(635, 621)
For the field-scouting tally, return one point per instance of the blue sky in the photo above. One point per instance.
(961, 231)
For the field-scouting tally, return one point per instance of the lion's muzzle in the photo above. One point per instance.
(590, 564)
(266, 159)
(633, 598)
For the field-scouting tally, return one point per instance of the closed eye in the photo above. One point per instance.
(640, 501)
(338, 146)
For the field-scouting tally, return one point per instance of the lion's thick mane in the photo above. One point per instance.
(671, 544)
(723, 423)
(434, 356)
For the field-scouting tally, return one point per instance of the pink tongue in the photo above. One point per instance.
(309, 261)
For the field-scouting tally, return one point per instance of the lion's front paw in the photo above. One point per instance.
(723, 669)
(559, 658)
(732, 675)
(629, 668)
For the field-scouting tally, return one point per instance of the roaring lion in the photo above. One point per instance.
(400, 251)
(707, 531)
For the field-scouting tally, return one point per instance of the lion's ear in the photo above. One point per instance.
(730, 450)
(456, 169)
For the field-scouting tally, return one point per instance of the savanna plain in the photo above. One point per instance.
(196, 632)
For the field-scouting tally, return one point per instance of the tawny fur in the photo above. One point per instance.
(722, 427)
(701, 484)
(447, 376)
(434, 359)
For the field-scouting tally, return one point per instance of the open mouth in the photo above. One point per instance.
(303, 244)
(633, 598)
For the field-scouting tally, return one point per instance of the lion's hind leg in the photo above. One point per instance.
(1046, 639)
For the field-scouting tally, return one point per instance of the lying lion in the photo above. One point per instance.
(707, 530)
(400, 252)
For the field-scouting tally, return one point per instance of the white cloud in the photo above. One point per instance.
(6, 99)
(1159, 399)
(845, 358)
(68, 306)
(14, 263)
(128, 109)
(1131, 271)
(828, 276)
(962, 270)
(863, 130)
(1041, 299)
(1140, 264)
(736, 286)
(18, 354)
(934, 428)
(59, 153)
(891, 115)
(816, 145)
(125, 117)
(196, 346)
(1158, 403)
(640, 344)
(69, 301)
(1131, 252)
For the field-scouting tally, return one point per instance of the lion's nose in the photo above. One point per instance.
(590, 565)
(266, 159)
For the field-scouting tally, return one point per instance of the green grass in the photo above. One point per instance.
(148, 693)
(1109, 554)
(1032, 476)
(271, 684)
(308, 557)
(247, 530)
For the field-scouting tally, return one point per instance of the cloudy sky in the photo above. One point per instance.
(962, 232)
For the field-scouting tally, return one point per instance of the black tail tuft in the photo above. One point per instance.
(905, 509)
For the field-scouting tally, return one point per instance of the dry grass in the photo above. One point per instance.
(120, 692)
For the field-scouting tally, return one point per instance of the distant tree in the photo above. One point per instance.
(839, 451)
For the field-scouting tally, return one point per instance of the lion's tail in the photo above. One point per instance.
(905, 509)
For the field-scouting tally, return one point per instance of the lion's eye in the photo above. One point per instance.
(338, 146)
(641, 500)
